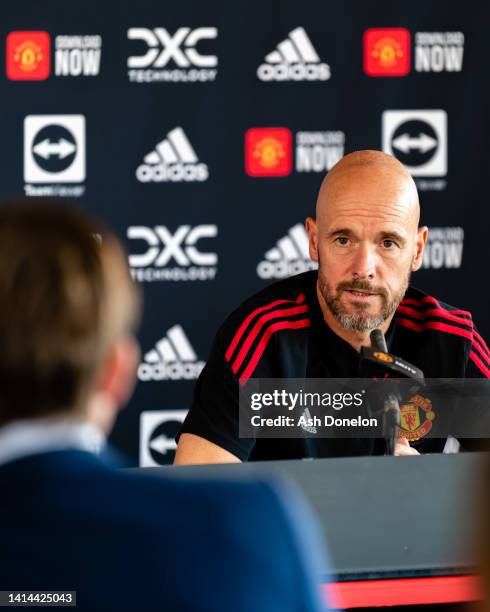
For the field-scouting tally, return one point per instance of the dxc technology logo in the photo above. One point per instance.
(180, 49)
(181, 247)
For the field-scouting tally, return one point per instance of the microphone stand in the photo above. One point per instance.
(391, 422)
(377, 362)
(391, 405)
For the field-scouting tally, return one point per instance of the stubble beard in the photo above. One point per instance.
(359, 321)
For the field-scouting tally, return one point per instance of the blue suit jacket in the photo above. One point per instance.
(130, 542)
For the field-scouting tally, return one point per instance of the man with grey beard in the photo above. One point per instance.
(367, 241)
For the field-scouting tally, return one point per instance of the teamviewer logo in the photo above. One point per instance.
(54, 149)
(158, 429)
(418, 139)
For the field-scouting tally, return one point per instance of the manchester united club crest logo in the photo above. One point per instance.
(383, 357)
(387, 52)
(28, 55)
(416, 418)
(268, 152)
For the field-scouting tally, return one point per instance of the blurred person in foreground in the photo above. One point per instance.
(367, 241)
(68, 521)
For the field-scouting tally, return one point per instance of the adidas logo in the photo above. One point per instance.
(174, 160)
(173, 358)
(289, 257)
(306, 420)
(295, 59)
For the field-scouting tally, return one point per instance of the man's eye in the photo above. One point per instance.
(389, 244)
(342, 240)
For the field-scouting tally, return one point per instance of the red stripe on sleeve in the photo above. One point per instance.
(241, 330)
(479, 353)
(252, 364)
(431, 300)
(259, 324)
(450, 329)
(421, 301)
(479, 364)
(434, 312)
(481, 344)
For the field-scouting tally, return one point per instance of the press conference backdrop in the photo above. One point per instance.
(201, 132)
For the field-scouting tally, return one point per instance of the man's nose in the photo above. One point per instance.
(364, 263)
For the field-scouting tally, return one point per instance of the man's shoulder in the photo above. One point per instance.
(446, 334)
(284, 300)
(436, 325)
(421, 311)
(426, 301)
(287, 289)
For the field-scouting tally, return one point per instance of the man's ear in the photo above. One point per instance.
(422, 234)
(312, 229)
(114, 382)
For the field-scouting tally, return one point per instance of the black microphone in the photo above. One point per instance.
(378, 342)
(377, 362)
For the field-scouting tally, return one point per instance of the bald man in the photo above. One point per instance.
(367, 242)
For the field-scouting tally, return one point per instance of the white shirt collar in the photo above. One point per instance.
(32, 436)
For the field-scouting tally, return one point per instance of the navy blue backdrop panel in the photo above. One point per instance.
(201, 132)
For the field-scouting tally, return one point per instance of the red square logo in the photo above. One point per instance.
(28, 56)
(387, 52)
(268, 152)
